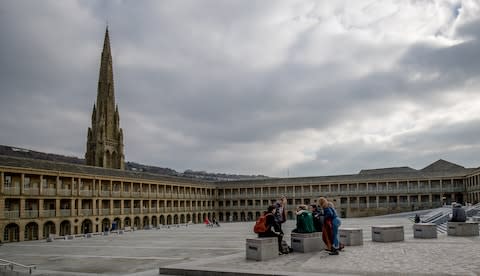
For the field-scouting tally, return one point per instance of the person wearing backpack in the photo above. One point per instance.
(280, 211)
(267, 226)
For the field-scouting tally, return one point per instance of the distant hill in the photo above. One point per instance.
(131, 166)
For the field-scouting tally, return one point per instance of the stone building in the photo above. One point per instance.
(39, 198)
(105, 137)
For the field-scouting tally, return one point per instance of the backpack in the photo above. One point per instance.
(261, 224)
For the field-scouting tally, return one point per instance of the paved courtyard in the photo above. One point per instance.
(199, 248)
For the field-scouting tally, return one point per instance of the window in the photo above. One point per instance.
(26, 182)
(8, 181)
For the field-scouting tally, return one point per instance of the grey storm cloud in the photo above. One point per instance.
(251, 87)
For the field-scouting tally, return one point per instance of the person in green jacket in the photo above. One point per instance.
(304, 220)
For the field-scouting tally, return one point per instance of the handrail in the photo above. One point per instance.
(11, 264)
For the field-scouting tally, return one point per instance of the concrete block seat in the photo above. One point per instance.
(261, 249)
(351, 236)
(387, 233)
(466, 229)
(476, 218)
(307, 242)
(425, 230)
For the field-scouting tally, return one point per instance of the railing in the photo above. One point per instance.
(144, 194)
(13, 264)
(87, 212)
(31, 191)
(47, 213)
(104, 211)
(49, 191)
(30, 214)
(117, 211)
(136, 210)
(65, 212)
(135, 194)
(64, 192)
(116, 194)
(86, 192)
(12, 214)
(11, 190)
(126, 194)
(104, 193)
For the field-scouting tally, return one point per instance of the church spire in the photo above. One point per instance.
(105, 138)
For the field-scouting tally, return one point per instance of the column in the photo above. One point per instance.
(2, 182)
(2, 207)
(40, 188)
(122, 205)
(40, 212)
(111, 202)
(57, 185)
(94, 207)
(57, 207)
(22, 208)
(79, 213)
(22, 183)
(72, 208)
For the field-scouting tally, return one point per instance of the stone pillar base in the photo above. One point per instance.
(387, 233)
(260, 249)
(351, 236)
(307, 242)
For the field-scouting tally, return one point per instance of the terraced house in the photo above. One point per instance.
(39, 198)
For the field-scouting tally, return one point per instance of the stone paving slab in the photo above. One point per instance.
(221, 251)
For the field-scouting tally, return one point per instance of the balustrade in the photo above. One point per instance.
(12, 214)
(49, 191)
(30, 214)
(65, 212)
(11, 190)
(47, 213)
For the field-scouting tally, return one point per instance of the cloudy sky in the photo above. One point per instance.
(299, 88)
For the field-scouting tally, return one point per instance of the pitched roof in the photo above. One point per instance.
(442, 165)
(394, 170)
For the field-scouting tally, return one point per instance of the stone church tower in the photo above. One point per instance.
(105, 137)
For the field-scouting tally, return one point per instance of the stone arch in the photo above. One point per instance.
(199, 218)
(127, 221)
(87, 226)
(49, 228)
(114, 161)
(235, 216)
(65, 228)
(175, 219)
(169, 219)
(154, 221)
(137, 222)
(257, 215)
(228, 216)
(189, 218)
(162, 220)
(105, 225)
(31, 231)
(11, 233)
(220, 216)
(290, 215)
(250, 216)
(117, 224)
(146, 221)
(108, 157)
(182, 218)
(242, 216)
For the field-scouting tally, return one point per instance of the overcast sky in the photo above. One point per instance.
(299, 88)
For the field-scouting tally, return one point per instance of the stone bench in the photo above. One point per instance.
(307, 242)
(387, 233)
(425, 230)
(351, 236)
(127, 228)
(462, 228)
(260, 249)
(476, 218)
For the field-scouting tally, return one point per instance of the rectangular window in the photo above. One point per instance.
(26, 182)
(8, 181)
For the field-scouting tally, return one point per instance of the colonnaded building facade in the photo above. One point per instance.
(39, 198)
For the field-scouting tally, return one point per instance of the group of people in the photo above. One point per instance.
(322, 218)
